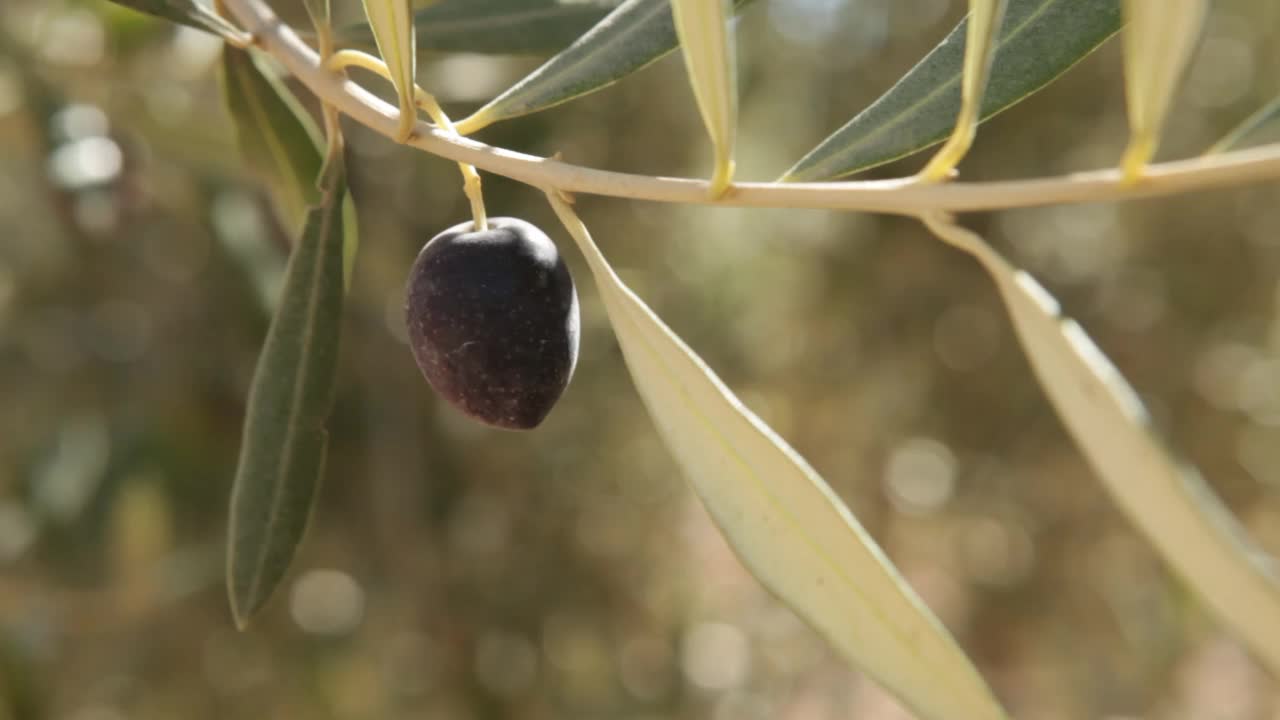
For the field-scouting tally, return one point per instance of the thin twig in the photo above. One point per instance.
(902, 196)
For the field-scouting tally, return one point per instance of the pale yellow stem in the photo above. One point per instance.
(425, 100)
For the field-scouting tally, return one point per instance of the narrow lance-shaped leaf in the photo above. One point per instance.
(392, 24)
(784, 522)
(1251, 129)
(277, 138)
(191, 13)
(984, 20)
(1159, 38)
(1038, 41)
(1164, 497)
(711, 64)
(636, 34)
(283, 451)
(507, 27)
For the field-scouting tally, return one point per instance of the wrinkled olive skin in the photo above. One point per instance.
(493, 321)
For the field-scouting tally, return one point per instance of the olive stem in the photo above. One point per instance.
(426, 101)
(332, 129)
(903, 196)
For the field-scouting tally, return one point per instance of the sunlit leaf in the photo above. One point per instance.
(1164, 497)
(191, 13)
(1261, 123)
(711, 64)
(630, 38)
(1159, 38)
(784, 522)
(277, 137)
(1039, 40)
(392, 24)
(283, 449)
(984, 20)
(514, 27)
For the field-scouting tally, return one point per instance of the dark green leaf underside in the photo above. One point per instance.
(636, 34)
(510, 27)
(283, 449)
(191, 13)
(1040, 40)
(277, 138)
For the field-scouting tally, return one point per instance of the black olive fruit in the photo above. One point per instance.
(493, 320)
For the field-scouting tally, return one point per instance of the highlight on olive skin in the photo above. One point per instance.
(493, 321)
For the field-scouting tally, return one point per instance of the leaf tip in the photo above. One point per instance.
(240, 613)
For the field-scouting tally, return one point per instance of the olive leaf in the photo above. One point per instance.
(784, 522)
(191, 13)
(1163, 496)
(633, 36)
(392, 25)
(984, 20)
(277, 138)
(711, 64)
(1158, 42)
(507, 27)
(1039, 40)
(1265, 119)
(283, 451)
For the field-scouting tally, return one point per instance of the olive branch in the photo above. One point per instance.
(778, 514)
(906, 196)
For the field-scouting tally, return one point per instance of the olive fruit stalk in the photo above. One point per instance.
(493, 321)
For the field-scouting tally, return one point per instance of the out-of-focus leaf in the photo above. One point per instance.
(277, 138)
(320, 12)
(711, 64)
(1167, 499)
(630, 38)
(499, 27)
(191, 13)
(984, 20)
(392, 24)
(1259, 123)
(1159, 38)
(1039, 40)
(782, 519)
(283, 451)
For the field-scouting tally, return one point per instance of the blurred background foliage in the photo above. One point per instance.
(457, 572)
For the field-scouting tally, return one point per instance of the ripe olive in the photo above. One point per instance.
(493, 321)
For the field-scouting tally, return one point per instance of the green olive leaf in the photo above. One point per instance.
(710, 60)
(1039, 40)
(1158, 41)
(499, 27)
(278, 140)
(636, 34)
(984, 20)
(1255, 129)
(283, 451)
(1164, 497)
(191, 13)
(783, 521)
(393, 31)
